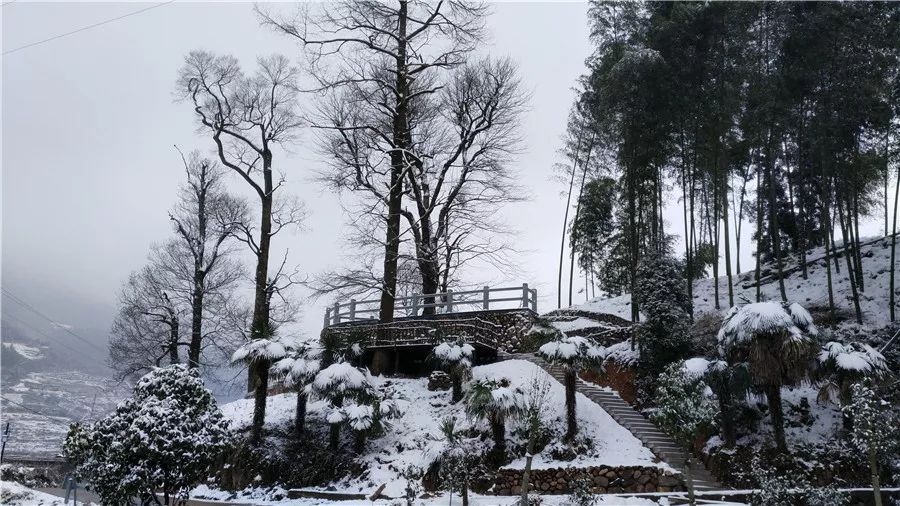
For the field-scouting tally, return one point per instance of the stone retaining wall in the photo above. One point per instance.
(605, 480)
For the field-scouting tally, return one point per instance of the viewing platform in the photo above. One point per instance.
(490, 319)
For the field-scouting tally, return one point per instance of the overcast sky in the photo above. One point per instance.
(89, 124)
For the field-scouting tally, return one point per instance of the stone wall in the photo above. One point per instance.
(605, 480)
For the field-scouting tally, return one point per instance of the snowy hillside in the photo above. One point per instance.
(811, 293)
(415, 438)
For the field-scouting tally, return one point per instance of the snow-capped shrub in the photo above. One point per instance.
(296, 370)
(495, 402)
(844, 364)
(874, 428)
(456, 358)
(258, 355)
(774, 340)
(165, 438)
(580, 492)
(574, 354)
(683, 410)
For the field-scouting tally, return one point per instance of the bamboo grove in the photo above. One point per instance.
(745, 113)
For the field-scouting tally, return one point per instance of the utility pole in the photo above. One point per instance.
(5, 438)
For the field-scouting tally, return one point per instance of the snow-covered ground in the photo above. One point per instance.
(812, 292)
(415, 438)
(15, 494)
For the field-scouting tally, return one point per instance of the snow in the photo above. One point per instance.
(853, 357)
(744, 322)
(620, 353)
(568, 349)
(415, 438)
(452, 353)
(810, 293)
(259, 348)
(27, 352)
(340, 377)
(696, 367)
(14, 494)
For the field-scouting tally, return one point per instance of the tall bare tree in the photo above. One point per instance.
(204, 218)
(247, 116)
(376, 61)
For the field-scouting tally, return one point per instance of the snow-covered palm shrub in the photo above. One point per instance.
(456, 358)
(664, 334)
(258, 355)
(683, 410)
(165, 438)
(494, 402)
(574, 354)
(842, 365)
(457, 462)
(874, 428)
(296, 370)
(775, 341)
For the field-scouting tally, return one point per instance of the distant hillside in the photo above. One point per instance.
(811, 293)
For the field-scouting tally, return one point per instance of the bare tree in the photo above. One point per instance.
(247, 116)
(204, 218)
(146, 332)
(375, 61)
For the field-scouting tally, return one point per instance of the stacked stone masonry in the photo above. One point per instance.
(604, 480)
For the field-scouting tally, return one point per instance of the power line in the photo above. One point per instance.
(88, 27)
(30, 327)
(52, 418)
(52, 321)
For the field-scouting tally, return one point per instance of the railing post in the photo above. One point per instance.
(487, 297)
(327, 316)
(449, 301)
(525, 303)
(337, 313)
(534, 300)
(352, 309)
(415, 304)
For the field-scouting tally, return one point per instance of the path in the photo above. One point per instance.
(659, 443)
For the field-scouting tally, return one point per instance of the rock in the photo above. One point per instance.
(439, 380)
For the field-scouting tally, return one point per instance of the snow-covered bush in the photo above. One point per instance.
(842, 365)
(258, 355)
(664, 334)
(683, 411)
(296, 370)
(580, 492)
(456, 358)
(774, 340)
(353, 401)
(574, 354)
(874, 428)
(495, 402)
(457, 462)
(165, 438)
(730, 384)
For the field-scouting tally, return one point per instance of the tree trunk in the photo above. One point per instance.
(689, 479)
(725, 411)
(728, 273)
(428, 268)
(334, 436)
(584, 170)
(400, 129)
(562, 241)
(826, 223)
(498, 430)
(260, 394)
(773, 396)
(196, 320)
(456, 379)
(893, 269)
(860, 278)
(851, 275)
(571, 421)
(529, 457)
(759, 235)
(773, 224)
(300, 415)
(173, 341)
(876, 481)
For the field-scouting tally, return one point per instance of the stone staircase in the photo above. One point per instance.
(657, 441)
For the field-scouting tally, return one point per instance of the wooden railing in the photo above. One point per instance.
(448, 302)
